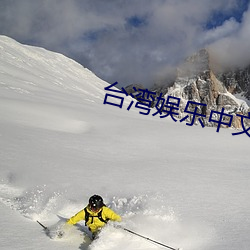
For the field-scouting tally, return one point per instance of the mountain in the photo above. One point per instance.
(34, 74)
(26, 69)
(199, 81)
(237, 81)
(183, 186)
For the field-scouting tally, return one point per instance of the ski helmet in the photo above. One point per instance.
(95, 202)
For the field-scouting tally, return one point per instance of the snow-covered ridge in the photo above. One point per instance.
(25, 68)
(33, 74)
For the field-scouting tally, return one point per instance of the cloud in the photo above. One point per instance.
(127, 41)
(233, 49)
(228, 28)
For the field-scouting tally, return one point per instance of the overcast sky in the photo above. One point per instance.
(131, 41)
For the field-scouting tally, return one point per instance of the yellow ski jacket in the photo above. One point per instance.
(94, 223)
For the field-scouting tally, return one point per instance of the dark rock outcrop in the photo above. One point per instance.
(197, 82)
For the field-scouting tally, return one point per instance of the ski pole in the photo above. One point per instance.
(45, 228)
(146, 238)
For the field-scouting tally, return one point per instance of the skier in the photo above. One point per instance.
(95, 214)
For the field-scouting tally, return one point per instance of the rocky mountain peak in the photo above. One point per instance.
(197, 82)
(197, 64)
(237, 81)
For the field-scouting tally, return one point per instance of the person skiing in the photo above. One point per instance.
(95, 214)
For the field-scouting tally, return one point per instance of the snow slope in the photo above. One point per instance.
(184, 186)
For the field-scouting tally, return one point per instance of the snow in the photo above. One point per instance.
(243, 99)
(183, 186)
(242, 102)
